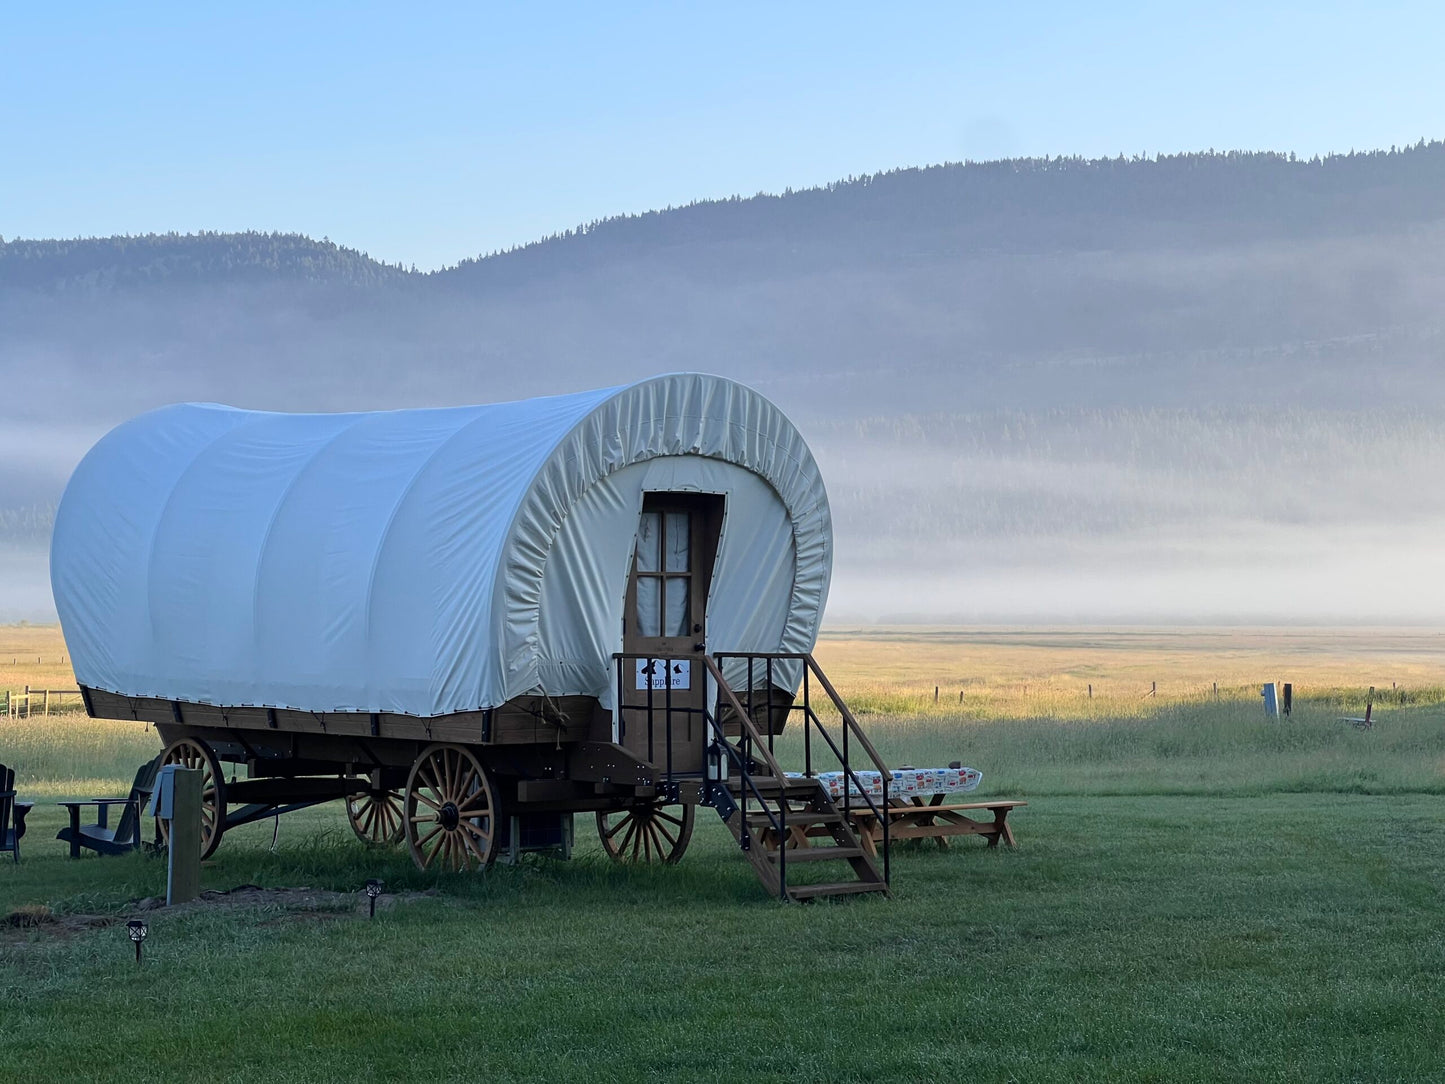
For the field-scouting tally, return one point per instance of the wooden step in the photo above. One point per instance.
(817, 854)
(797, 818)
(844, 888)
(769, 785)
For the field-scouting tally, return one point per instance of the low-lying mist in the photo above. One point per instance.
(1201, 387)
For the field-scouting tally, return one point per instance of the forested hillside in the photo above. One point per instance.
(98, 264)
(1061, 387)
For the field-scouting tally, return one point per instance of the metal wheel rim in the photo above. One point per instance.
(451, 810)
(646, 834)
(194, 753)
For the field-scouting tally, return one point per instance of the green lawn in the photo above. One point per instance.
(1283, 927)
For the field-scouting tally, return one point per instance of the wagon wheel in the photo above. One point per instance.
(376, 816)
(194, 753)
(646, 833)
(450, 810)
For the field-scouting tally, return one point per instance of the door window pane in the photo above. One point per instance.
(677, 542)
(678, 619)
(649, 542)
(649, 609)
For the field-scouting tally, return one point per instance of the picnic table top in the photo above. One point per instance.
(906, 782)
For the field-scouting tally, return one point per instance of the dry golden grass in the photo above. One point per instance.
(34, 655)
(1046, 672)
(1023, 672)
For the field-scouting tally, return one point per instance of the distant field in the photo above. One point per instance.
(1199, 894)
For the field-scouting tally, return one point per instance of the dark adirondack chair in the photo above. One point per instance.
(100, 836)
(12, 814)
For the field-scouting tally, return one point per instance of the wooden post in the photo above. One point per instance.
(183, 875)
(1091, 690)
(1216, 690)
(46, 701)
(935, 694)
(1288, 705)
(27, 701)
(960, 696)
(1153, 688)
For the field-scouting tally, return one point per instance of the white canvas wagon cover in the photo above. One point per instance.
(421, 561)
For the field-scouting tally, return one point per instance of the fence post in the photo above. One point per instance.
(27, 701)
(46, 701)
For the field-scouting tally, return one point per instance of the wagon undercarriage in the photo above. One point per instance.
(460, 800)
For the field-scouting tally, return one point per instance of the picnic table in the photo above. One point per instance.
(916, 809)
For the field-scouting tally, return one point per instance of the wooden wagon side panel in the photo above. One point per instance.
(527, 720)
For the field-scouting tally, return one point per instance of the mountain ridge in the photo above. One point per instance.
(1028, 205)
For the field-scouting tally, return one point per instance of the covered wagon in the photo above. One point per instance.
(472, 623)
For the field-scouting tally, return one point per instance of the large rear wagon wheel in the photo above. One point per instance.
(646, 833)
(451, 810)
(377, 817)
(194, 753)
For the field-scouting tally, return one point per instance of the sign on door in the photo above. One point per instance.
(664, 674)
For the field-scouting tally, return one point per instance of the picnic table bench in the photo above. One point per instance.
(913, 818)
(916, 807)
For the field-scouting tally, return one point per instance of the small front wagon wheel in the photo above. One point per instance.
(451, 810)
(376, 817)
(194, 753)
(647, 833)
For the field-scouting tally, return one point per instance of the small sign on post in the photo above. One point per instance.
(177, 799)
(1271, 700)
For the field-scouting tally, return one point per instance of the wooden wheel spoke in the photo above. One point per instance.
(628, 836)
(453, 766)
(470, 842)
(477, 803)
(659, 830)
(435, 847)
(623, 823)
(470, 825)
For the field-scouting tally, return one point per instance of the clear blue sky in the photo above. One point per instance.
(429, 137)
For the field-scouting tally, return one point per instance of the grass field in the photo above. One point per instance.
(1199, 894)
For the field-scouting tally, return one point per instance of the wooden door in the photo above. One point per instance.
(666, 616)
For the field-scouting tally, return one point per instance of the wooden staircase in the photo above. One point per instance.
(798, 842)
(769, 818)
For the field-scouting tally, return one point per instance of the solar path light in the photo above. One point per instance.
(137, 929)
(373, 889)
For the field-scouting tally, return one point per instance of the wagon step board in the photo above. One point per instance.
(761, 813)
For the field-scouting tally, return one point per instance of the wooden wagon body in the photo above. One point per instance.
(471, 624)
